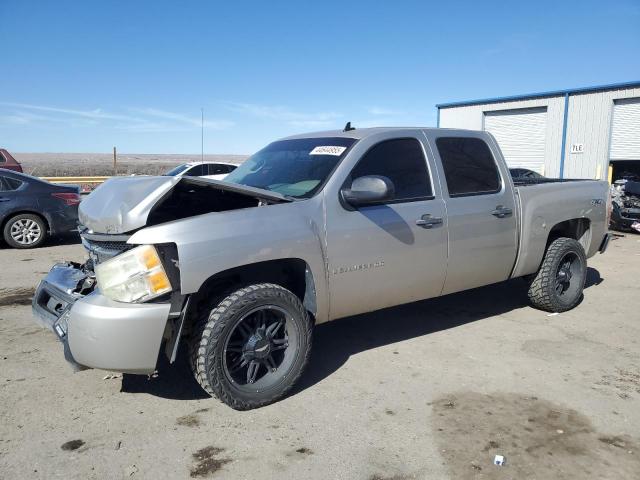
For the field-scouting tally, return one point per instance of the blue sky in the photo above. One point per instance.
(83, 76)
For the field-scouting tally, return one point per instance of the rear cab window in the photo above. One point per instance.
(469, 166)
(401, 160)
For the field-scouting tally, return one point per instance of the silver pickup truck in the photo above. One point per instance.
(311, 228)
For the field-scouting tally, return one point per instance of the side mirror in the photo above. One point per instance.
(368, 190)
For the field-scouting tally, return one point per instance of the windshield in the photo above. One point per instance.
(177, 170)
(296, 168)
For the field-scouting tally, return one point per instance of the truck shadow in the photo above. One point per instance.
(174, 382)
(335, 342)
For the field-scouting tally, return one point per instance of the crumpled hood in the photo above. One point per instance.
(123, 204)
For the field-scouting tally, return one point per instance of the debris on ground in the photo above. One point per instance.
(72, 445)
(131, 470)
(112, 376)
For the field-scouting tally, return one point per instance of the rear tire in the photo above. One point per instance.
(558, 285)
(25, 231)
(253, 347)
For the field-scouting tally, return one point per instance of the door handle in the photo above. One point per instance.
(5, 199)
(501, 212)
(427, 221)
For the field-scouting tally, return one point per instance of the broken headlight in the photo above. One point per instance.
(136, 275)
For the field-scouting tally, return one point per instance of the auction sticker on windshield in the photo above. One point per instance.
(327, 150)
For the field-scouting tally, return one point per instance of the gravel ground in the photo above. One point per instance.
(430, 390)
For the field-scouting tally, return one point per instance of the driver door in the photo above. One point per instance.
(380, 255)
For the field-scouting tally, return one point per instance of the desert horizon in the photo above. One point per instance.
(61, 164)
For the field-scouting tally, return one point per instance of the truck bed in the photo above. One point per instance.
(523, 182)
(546, 202)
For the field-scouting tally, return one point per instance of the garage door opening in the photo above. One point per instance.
(628, 169)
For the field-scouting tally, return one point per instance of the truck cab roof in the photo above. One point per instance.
(360, 133)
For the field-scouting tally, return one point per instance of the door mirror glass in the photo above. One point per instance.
(369, 190)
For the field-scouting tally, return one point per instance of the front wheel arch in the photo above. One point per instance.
(294, 274)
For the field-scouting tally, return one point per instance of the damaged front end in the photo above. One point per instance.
(108, 320)
(97, 331)
(625, 198)
(54, 297)
(126, 204)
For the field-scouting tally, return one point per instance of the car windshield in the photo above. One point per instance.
(297, 168)
(177, 170)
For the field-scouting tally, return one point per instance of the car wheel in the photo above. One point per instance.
(253, 347)
(25, 231)
(558, 285)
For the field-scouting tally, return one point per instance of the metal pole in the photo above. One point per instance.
(564, 133)
(115, 162)
(202, 135)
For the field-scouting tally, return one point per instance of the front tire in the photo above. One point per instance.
(253, 347)
(558, 285)
(25, 231)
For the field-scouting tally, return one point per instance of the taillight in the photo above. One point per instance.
(68, 198)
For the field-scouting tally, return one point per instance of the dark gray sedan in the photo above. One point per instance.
(32, 209)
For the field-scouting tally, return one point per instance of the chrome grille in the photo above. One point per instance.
(102, 250)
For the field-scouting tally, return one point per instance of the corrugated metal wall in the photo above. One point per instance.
(588, 123)
(472, 117)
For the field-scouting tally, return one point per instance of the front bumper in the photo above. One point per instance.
(98, 332)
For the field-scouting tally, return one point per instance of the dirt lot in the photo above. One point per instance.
(101, 164)
(429, 390)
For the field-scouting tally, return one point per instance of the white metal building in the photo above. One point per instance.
(577, 133)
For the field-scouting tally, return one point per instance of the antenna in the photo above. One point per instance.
(348, 127)
(202, 134)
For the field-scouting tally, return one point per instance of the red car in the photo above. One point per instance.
(8, 162)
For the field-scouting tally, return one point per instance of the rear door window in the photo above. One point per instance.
(9, 184)
(469, 166)
(196, 171)
(218, 169)
(403, 162)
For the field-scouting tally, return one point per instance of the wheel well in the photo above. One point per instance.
(577, 228)
(291, 273)
(25, 212)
